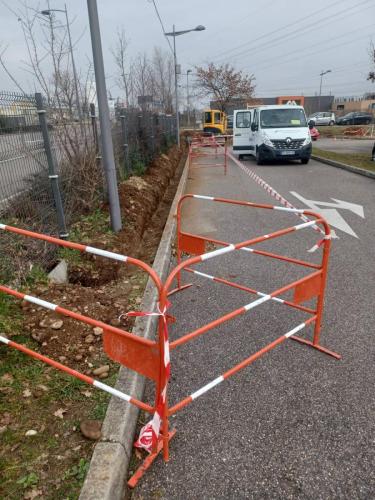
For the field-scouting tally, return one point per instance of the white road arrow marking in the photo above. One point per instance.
(331, 214)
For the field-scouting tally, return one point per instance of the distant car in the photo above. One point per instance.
(314, 132)
(355, 118)
(323, 118)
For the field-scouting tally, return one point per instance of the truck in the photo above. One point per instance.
(272, 132)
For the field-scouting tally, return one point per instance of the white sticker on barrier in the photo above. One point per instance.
(257, 302)
(2, 226)
(4, 340)
(201, 197)
(295, 330)
(207, 387)
(111, 390)
(40, 302)
(220, 251)
(105, 253)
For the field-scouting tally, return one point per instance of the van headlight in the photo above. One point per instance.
(267, 141)
(307, 140)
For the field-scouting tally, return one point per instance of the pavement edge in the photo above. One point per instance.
(344, 166)
(106, 477)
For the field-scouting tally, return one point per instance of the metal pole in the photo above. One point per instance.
(51, 160)
(105, 123)
(320, 89)
(175, 88)
(74, 72)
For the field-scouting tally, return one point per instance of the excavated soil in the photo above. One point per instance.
(98, 288)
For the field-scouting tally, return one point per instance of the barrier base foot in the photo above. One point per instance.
(146, 464)
(179, 289)
(317, 346)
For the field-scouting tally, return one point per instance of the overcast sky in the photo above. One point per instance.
(284, 43)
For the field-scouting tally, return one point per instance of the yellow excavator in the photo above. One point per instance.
(214, 121)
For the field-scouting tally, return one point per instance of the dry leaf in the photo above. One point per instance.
(60, 413)
(26, 393)
(138, 454)
(88, 394)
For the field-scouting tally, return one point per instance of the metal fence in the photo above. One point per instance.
(50, 168)
(139, 136)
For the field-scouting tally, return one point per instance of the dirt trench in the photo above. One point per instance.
(98, 288)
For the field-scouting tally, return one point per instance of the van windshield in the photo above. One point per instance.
(282, 118)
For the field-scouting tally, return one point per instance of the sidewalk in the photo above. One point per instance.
(276, 429)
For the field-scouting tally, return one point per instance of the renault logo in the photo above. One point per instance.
(288, 140)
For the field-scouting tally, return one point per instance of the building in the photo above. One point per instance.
(310, 103)
(343, 105)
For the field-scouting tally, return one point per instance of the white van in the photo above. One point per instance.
(272, 133)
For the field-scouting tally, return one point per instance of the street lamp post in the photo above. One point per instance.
(320, 88)
(175, 33)
(48, 13)
(187, 96)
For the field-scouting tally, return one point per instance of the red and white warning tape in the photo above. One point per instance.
(149, 434)
(272, 192)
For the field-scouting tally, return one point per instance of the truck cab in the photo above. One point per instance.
(275, 132)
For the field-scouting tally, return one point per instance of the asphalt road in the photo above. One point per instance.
(296, 424)
(346, 145)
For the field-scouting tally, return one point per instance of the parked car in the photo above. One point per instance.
(355, 118)
(314, 132)
(323, 118)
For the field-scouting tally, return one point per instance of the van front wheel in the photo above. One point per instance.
(258, 158)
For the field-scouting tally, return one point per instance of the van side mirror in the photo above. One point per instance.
(311, 124)
(254, 127)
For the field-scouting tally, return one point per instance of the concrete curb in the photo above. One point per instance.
(344, 166)
(106, 477)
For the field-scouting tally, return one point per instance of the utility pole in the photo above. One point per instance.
(175, 33)
(320, 88)
(105, 123)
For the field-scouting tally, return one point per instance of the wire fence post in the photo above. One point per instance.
(124, 131)
(94, 126)
(51, 161)
(152, 130)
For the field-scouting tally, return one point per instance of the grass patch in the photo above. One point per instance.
(356, 159)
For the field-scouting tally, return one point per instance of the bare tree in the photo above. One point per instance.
(224, 83)
(123, 65)
(143, 79)
(163, 78)
(371, 74)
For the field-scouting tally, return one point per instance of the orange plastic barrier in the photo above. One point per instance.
(152, 358)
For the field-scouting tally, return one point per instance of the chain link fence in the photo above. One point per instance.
(50, 166)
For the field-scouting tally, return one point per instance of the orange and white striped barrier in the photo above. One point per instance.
(153, 359)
